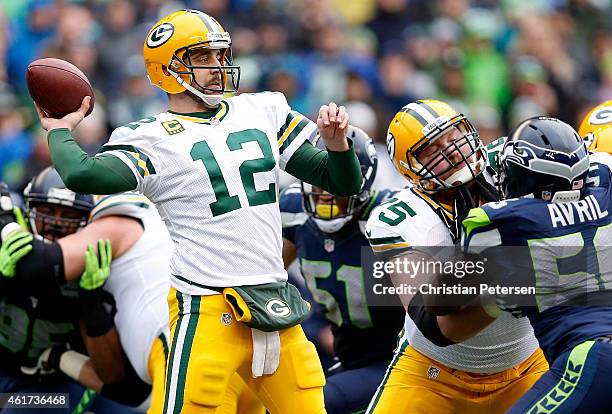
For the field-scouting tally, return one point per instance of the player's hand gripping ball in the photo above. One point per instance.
(58, 87)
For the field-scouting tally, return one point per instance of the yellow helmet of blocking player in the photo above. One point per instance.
(600, 140)
(597, 117)
(417, 127)
(596, 128)
(167, 54)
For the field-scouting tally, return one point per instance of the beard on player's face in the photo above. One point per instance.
(206, 83)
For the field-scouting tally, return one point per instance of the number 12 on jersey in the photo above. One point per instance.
(225, 202)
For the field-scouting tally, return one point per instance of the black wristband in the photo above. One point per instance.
(98, 319)
(53, 362)
(43, 267)
(426, 322)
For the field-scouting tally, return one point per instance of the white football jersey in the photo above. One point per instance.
(139, 279)
(503, 344)
(215, 184)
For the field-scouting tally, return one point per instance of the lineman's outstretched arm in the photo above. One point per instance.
(442, 319)
(130, 390)
(47, 265)
(89, 378)
(121, 383)
(123, 232)
(106, 355)
(465, 323)
(97, 327)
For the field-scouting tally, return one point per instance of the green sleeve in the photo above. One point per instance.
(103, 174)
(339, 173)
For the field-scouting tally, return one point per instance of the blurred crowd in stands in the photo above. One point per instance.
(498, 61)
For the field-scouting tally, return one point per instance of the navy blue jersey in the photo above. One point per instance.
(31, 322)
(566, 256)
(331, 266)
(598, 175)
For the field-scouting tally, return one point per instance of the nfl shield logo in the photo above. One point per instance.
(329, 245)
(226, 318)
(433, 372)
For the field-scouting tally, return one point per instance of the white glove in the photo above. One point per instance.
(48, 361)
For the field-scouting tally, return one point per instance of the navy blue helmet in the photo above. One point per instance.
(334, 213)
(53, 210)
(546, 158)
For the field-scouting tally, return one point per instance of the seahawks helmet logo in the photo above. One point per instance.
(521, 155)
(601, 117)
(391, 145)
(160, 35)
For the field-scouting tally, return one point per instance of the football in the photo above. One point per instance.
(57, 86)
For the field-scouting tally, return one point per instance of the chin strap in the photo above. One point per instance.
(210, 100)
(333, 225)
(487, 191)
(462, 204)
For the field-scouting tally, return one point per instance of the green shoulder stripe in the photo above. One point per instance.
(142, 163)
(497, 144)
(282, 129)
(290, 130)
(477, 218)
(385, 240)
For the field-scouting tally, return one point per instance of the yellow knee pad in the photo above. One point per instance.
(207, 381)
(307, 366)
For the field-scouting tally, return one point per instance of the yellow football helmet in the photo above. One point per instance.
(600, 140)
(167, 56)
(416, 127)
(596, 128)
(597, 117)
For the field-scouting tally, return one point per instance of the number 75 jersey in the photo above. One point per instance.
(214, 179)
(411, 220)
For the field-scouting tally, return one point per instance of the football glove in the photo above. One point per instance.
(8, 212)
(98, 319)
(16, 245)
(97, 266)
(48, 361)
